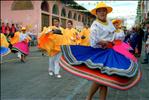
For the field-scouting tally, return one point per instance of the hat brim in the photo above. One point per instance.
(109, 10)
(23, 29)
(117, 21)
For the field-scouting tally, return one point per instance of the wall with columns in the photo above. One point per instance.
(33, 17)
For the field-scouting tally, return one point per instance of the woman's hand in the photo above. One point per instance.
(103, 44)
(72, 39)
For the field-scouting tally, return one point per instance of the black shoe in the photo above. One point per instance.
(42, 54)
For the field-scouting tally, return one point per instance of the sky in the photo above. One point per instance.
(121, 9)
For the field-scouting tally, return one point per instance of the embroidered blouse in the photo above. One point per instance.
(100, 31)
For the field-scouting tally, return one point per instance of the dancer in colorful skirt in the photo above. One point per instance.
(21, 44)
(119, 32)
(121, 46)
(4, 46)
(41, 41)
(13, 39)
(51, 40)
(100, 62)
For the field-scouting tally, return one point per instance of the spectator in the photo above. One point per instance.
(140, 38)
(127, 37)
(133, 40)
(146, 36)
(3, 28)
(13, 29)
(7, 28)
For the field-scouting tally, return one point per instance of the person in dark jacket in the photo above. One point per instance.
(133, 39)
(140, 38)
(146, 57)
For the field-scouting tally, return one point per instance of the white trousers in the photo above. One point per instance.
(54, 63)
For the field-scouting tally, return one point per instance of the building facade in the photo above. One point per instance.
(142, 11)
(146, 9)
(37, 14)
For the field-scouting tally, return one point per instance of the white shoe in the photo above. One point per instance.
(19, 55)
(58, 76)
(51, 73)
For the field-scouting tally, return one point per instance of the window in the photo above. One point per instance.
(83, 19)
(63, 13)
(70, 14)
(45, 20)
(79, 18)
(75, 16)
(55, 9)
(22, 5)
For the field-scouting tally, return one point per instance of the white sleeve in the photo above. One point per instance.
(94, 36)
(123, 36)
(120, 35)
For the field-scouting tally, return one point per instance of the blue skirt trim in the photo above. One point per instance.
(4, 51)
(107, 60)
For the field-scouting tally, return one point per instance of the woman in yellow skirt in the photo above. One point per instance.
(4, 46)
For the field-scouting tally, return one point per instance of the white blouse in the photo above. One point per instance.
(23, 36)
(101, 32)
(120, 35)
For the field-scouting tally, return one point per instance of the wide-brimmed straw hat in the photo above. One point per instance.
(23, 28)
(117, 21)
(101, 5)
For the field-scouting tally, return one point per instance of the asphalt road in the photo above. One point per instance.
(30, 81)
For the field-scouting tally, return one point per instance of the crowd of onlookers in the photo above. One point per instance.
(7, 29)
(136, 36)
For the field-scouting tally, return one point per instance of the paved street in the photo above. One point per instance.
(30, 81)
